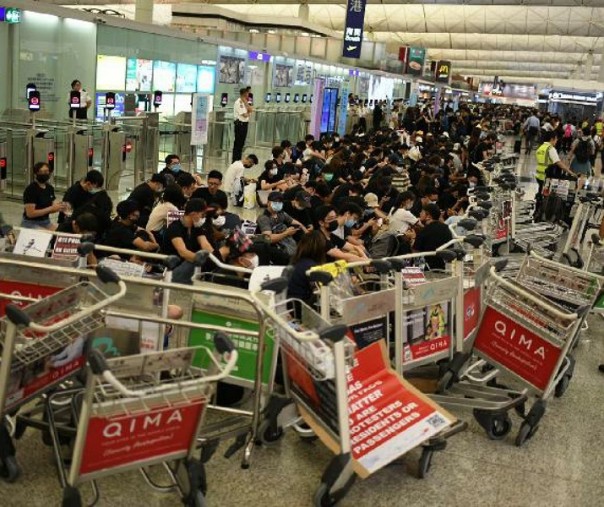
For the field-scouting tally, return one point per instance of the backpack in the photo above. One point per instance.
(568, 131)
(583, 151)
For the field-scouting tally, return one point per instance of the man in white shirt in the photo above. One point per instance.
(85, 101)
(242, 112)
(232, 181)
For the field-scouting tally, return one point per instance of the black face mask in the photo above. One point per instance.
(332, 226)
(42, 178)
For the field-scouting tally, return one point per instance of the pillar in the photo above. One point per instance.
(303, 12)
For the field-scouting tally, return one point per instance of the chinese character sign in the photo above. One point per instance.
(353, 31)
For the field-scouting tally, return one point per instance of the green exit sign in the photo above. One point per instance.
(12, 15)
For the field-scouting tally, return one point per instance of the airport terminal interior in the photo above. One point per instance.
(280, 253)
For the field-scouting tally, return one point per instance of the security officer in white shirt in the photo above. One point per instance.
(242, 113)
(85, 101)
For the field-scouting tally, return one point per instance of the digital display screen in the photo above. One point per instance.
(110, 72)
(304, 98)
(287, 97)
(224, 99)
(139, 75)
(164, 76)
(186, 78)
(206, 77)
(296, 98)
(267, 98)
(117, 111)
(278, 97)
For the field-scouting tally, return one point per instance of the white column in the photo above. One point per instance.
(303, 12)
(143, 11)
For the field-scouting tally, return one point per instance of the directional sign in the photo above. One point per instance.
(353, 31)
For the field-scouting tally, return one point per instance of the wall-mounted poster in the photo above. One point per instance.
(110, 72)
(206, 77)
(363, 85)
(139, 75)
(283, 76)
(186, 78)
(164, 76)
(232, 70)
(303, 74)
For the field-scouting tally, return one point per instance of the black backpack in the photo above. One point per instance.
(583, 151)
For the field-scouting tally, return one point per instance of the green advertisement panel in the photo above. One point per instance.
(247, 346)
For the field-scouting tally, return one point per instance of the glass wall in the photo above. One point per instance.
(51, 52)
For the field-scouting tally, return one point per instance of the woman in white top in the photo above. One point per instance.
(172, 200)
(401, 219)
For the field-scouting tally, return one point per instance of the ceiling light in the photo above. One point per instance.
(254, 30)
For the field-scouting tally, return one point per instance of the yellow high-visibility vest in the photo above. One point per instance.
(543, 160)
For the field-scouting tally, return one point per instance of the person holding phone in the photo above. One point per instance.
(39, 200)
(81, 113)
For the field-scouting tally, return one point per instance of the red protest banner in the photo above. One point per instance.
(516, 348)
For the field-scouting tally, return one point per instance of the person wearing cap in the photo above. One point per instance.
(124, 232)
(433, 235)
(184, 239)
(279, 228)
(146, 195)
(212, 192)
(234, 178)
(372, 202)
(81, 192)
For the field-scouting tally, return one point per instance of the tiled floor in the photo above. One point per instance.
(563, 465)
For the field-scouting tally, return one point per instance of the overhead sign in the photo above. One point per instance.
(560, 96)
(415, 63)
(443, 71)
(261, 57)
(353, 30)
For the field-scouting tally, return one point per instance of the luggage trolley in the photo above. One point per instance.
(38, 358)
(587, 213)
(145, 410)
(338, 394)
(528, 338)
(573, 289)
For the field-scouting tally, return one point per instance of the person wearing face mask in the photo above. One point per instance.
(429, 196)
(125, 234)
(81, 192)
(182, 238)
(187, 183)
(336, 248)
(146, 195)
(271, 178)
(39, 200)
(172, 169)
(434, 234)
(279, 228)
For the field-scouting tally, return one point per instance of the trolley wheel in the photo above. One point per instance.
(323, 498)
(10, 468)
(71, 497)
(269, 433)
(525, 433)
(496, 426)
(425, 463)
(445, 381)
(562, 386)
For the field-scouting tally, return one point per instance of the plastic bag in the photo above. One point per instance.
(249, 196)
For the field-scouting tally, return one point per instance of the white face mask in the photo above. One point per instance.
(199, 223)
(254, 261)
(274, 172)
(219, 221)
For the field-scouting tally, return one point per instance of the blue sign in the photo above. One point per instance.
(328, 112)
(342, 117)
(2, 13)
(261, 57)
(353, 31)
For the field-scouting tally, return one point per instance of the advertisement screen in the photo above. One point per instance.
(206, 77)
(100, 106)
(232, 70)
(139, 75)
(110, 72)
(186, 78)
(164, 76)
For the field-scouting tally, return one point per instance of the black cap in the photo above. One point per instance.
(275, 197)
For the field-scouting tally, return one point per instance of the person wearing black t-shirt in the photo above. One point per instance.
(39, 200)
(146, 195)
(483, 150)
(310, 253)
(125, 234)
(299, 209)
(183, 238)
(212, 192)
(336, 248)
(81, 192)
(434, 234)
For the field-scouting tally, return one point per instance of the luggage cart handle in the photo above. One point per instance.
(223, 344)
(19, 318)
(531, 297)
